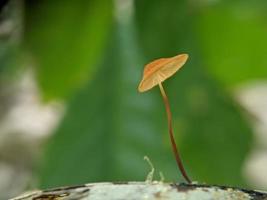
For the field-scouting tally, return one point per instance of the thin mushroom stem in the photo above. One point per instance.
(174, 147)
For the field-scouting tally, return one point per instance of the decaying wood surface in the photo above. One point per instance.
(144, 191)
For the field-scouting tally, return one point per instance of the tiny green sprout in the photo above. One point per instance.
(154, 74)
(149, 177)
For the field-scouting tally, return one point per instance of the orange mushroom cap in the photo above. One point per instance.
(159, 70)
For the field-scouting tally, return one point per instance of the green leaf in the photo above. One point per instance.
(109, 127)
(66, 39)
(233, 41)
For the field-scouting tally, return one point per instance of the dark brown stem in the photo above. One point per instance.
(174, 147)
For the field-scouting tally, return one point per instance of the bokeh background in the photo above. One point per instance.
(70, 112)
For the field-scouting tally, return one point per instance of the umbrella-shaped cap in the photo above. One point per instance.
(159, 70)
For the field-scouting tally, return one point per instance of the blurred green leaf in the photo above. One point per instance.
(233, 40)
(66, 38)
(109, 127)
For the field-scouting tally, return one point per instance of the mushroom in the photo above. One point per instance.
(154, 74)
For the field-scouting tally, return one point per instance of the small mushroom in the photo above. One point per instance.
(154, 74)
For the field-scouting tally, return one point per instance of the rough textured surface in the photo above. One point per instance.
(142, 190)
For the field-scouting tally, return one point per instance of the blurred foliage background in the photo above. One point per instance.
(88, 57)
